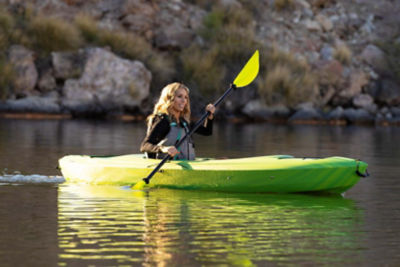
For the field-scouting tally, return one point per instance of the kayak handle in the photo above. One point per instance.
(363, 175)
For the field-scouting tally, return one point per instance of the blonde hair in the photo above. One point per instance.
(166, 100)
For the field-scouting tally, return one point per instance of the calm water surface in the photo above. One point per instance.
(71, 225)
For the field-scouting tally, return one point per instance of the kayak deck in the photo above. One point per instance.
(273, 174)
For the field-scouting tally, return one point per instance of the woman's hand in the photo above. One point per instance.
(170, 150)
(210, 108)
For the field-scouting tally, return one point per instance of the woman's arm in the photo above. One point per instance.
(158, 130)
(207, 127)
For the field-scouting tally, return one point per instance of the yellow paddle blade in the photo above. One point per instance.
(249, 71)
(139, 185)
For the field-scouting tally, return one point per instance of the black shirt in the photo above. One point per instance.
(159, 129)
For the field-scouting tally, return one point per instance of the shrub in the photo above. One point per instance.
(283, 4)
(343, 54)
(6, 79)
(201, 70)
(88, 28)
(288, 80)
(52, 34)
(392, 58)
(229, 35)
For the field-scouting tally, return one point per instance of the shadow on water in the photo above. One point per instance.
(118, 226)
(28, 225)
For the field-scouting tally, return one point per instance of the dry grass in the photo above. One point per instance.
(52, 34)
(287, 80)
(343, 54)
(283, 4)
(229, 34)
(201, 70)
(6, 79)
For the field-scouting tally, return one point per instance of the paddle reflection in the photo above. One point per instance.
(176, 227)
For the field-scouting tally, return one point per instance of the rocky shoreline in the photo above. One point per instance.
(353, 80)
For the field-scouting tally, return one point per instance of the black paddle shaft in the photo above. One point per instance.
(190, 133)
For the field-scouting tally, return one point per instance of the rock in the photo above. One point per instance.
(305, 112)
(47, 82)
(358, 80)
(108, 83)
(68, 65)
(140, 24)
(302, 4)
(26, 74)
(256, 109)
(357, 116)
(32, 104)
(176, 25)
(139, 17)
(330, 72)
(230, 4)
(374, 56)
(395, 111)
(327, 52)
(336, 114)
(366, 102)
(312, 25)
(325, 22)
(389, 92)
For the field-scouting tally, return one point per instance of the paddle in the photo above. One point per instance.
(244, 78)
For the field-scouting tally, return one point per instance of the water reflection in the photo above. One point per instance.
(178, 227)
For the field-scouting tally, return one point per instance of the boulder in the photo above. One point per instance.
(68, 65)
(373, 56)
(357, 116)
(325, 22)
(47, 82)
(256, 109)
(336, 114)
(366, 102)
(312, 25)
(108, 83)
(389, 92)
(32, 104)
(305, 112)
(358, 80)
(26, 74)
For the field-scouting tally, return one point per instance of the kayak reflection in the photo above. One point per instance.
(164, 227)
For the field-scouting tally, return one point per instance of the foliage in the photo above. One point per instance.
(283, 4)
(343, 54)
(287, 80)
(52, 34)
(229, 42)
(201, 70)
(6, 79)
(392, 58)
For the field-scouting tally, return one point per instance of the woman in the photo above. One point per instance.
(170, 122)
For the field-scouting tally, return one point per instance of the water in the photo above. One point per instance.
(51, 223)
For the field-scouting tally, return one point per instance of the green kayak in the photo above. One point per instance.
(272, 174)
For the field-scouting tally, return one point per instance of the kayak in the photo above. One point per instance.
(263, 174)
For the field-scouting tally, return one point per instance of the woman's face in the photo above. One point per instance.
(180, 100)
